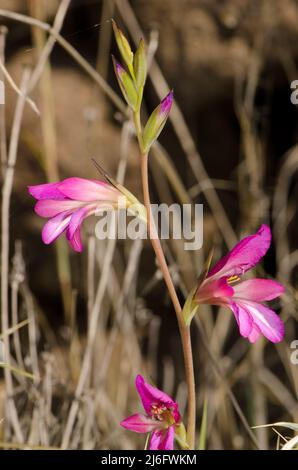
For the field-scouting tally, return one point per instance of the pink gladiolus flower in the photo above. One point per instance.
(222, 287)
(161, 418)
(69, 202)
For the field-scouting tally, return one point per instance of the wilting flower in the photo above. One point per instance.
(161, 417)
(223, 286)
(69, 202)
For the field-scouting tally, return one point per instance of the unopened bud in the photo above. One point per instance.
(157, 121)
(140, 65)
(126, 85)
(124, 47)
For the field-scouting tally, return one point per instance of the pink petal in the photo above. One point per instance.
(73, 231)
(77, 219)
(213, 290)
(140, 423)
(244, 256)
(267, 321)
(255, 334)
(243, 318)
(76, 241)
(258, 290)
(50, 208)
(88, 190)
(166, 104)
(54, 227)
(46, 191)
(162, 440)
(153, 396)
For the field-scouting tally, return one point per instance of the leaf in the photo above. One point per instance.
(292, 444)
(17, 371)
(283, 424)
(203, 429)
(1, 351)
(147, 441)
(11, 330)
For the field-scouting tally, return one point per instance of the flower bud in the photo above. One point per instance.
(126, 85)
(140, 65)
(124, 47)
(157, 121)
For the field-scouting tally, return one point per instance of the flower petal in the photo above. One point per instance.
(267, 321)
(255, 334)
(213, 290)
(140, 423)
(258, 290)
(153, 396)
(162, 440)
(77, 219)
(50, 208)
(82, 189)
(243, 318)
(46, 191)
(54, 227)
(76, 241)
(244, 256)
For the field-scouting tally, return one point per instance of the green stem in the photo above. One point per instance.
(183, 329)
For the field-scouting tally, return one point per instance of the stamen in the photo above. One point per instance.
(158, 411)
(162, 413)
(233, 279)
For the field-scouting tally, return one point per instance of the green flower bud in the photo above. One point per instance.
(140, 65)
(124, 48)
(126, 85)
(157, 121)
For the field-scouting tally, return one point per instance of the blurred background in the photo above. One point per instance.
(98, 318)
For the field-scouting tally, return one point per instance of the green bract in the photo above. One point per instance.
(126, 84)
(124, 47)
(140, 65)
(157, 121)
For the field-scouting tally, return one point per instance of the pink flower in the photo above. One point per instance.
(69, 202)
(161, 418)
(223, 287)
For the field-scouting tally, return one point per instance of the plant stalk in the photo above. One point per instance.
(183, 329)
